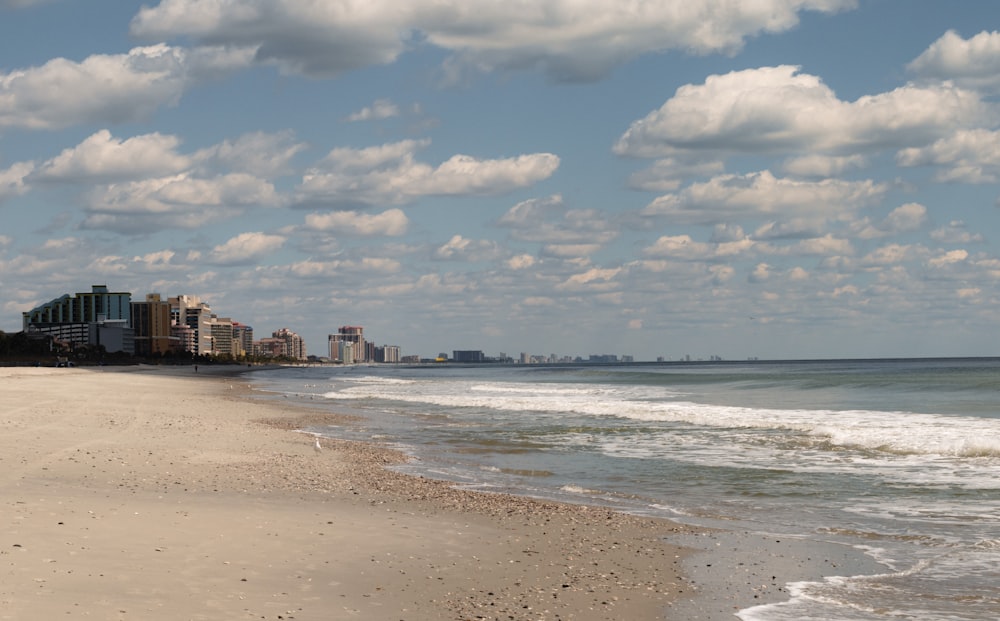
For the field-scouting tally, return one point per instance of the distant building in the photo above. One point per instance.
(348, 334)
(603, 358)
(295, 346)
(270, 348)
(99, 317)
(221, 329)
(190, 311)
(468, 356)
(387, 353)
(151, 323)
(242, 339)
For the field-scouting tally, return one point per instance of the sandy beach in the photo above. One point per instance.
(155, 493)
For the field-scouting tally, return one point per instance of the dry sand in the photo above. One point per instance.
(149, 493)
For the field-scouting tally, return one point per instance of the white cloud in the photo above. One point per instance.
(668, 174)
(822, 165)
(462, 248)
(565, 231)
(780, 110)
(761, 272)
(392, 222)
(103, 157)
(390, 174)
(168, 194)
(971, 62)
(683, 247)
(158, 260)
(956, 233)
(594, 278)
(827, 245)
(948, 258)
(892, 254)
(106, 88)
(311, 269)
(12, 180)
(567, 39)
(569, 251)
(379, 110)
(257, 153)
(762, 194)
(179, 201)
(520, 262)
(246, 248)
(970, 156)
(905, 218)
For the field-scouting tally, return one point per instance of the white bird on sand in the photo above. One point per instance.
(317, 446)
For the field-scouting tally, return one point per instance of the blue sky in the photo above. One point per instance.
(779, 179)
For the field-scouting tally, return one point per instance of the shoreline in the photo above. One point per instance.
(724, 569)
(139, 493)
(125, 486)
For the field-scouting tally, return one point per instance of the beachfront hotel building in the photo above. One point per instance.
(348, 334)
(190, 319)
(98, 317)
(151, 324)
(154, 326)
(387, 353)
(295, 345)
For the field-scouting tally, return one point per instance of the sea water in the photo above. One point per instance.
(898, 459)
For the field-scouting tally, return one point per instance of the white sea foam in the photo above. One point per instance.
(899, 433)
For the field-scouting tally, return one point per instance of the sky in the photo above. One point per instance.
(654, 178)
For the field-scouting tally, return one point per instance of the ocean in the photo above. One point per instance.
(898, 460)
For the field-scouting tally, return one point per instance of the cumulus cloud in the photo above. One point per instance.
(465, 249)
(391, 174)
(104, 157)
(823, 165)
(12, 180)
(563, 231)
(566, 39)
(684, 247)
(107, 88)
(974, 62)
(520, 262)
(971, 156)
(392, 222)
(178, 201)
(668, 174)
(761, 194)
(262, 154)
(780, 110)
(381, 109)
(948, 258)
(595, 278)
(246, 248)
(956, 232)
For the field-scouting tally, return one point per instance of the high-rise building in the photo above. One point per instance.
(190, 311)
(221, 329)
(99, 317)
(242, 339)
(151, 323)
(97, 305)
(387, 353)
(349, 334)
(295, 346)
(469, 355)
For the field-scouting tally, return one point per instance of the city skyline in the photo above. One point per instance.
(784, 179)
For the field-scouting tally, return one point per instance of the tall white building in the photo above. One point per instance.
(190, 311)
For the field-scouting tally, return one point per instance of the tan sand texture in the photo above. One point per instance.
(153, 493)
